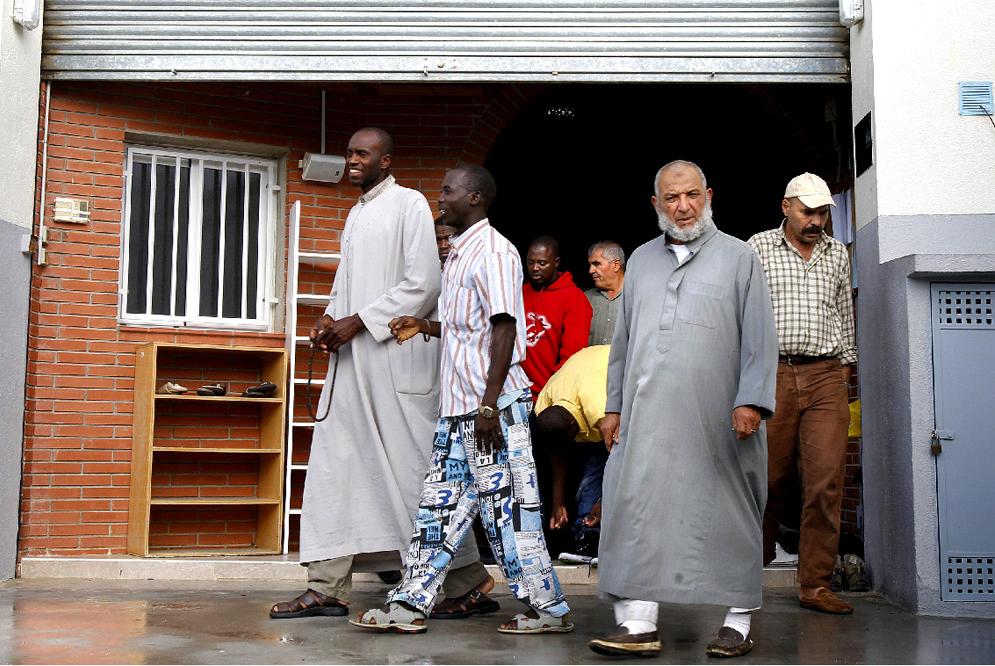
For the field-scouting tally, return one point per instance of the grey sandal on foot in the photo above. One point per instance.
(392, 618)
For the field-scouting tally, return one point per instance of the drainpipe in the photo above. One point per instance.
(42, 231)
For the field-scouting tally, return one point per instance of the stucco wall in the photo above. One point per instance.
(20, 60)
(931, 160)
(925, 212)
(20, 56)
(907, 58)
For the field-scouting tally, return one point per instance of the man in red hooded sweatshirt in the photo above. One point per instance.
(557, 314)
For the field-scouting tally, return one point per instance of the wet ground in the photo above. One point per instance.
(69, 621)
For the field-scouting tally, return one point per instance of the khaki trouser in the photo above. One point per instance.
(808, 433)
(333, 577)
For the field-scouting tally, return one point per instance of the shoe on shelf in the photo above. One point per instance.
(172, 388)
(212, 390)
(855, 574)
(263, 390)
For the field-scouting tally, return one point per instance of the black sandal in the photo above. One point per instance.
(473, 603)
(212, 390)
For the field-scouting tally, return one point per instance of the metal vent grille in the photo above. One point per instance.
(965, 308)
(975, 98)
(970, 578)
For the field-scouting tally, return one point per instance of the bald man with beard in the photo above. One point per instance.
(691, 377)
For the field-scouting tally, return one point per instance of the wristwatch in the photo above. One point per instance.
(488, 412)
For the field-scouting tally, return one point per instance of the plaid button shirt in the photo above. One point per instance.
(813, 306)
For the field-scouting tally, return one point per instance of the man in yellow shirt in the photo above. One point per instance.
(568, 411)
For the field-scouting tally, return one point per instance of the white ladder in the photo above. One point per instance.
(295, 343)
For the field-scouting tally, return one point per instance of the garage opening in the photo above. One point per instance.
(579, 160)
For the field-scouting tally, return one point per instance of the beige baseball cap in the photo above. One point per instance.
(811, 189)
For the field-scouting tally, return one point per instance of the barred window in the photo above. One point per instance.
(199, 240)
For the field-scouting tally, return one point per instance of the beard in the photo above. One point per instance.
(686, 234)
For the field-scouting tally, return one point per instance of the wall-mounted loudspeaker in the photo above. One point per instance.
(324, 168)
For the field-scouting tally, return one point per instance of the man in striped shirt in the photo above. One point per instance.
(482, 458)
(809, 276)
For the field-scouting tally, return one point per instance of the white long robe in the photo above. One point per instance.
(683, 498)
(368, 459)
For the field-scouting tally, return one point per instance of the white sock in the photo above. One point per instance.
(739, 619)
(639, 617)
(639, 626)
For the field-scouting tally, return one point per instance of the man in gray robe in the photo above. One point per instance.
(691, 377)
(367, 459)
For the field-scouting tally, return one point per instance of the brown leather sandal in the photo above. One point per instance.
(473, 603)
(309, 604)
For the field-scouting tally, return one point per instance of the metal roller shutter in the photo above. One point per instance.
(447, 40)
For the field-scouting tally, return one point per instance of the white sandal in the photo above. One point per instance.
(543, 624)
(393, 618)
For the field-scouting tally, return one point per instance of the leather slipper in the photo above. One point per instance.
(212, 390)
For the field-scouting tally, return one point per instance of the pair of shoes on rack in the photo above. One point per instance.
(264, 390)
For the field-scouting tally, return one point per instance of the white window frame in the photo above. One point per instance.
(268, 241)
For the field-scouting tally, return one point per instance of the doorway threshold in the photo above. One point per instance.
(275, 568)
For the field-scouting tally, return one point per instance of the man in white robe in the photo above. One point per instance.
(367, 459)
(691, 377)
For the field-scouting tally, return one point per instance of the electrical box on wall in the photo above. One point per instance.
(72, 210)
(27, 13)
(321, 167)
(851, 12)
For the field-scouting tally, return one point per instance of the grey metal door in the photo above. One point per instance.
(964, 441)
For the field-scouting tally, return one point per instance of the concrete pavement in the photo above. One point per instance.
(73, 621)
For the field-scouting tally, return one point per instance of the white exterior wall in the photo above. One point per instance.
(908, 56)
(20, 72)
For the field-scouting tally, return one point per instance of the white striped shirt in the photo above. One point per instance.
(482, 278)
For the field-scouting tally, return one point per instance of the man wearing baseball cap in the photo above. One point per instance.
(808, 273)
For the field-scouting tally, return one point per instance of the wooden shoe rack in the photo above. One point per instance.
(207, 471)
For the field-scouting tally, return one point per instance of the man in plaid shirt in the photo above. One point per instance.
(809, 276)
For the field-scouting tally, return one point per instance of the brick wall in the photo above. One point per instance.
(78, 420)
(81, 362)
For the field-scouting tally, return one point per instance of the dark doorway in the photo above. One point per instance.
(578, 162)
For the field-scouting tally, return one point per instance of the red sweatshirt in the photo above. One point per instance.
(557, 324)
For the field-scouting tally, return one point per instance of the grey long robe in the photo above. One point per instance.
(369, 457)
(683, 498)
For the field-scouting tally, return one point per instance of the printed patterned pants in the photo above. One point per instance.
(503, 488)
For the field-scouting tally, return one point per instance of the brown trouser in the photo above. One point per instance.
(333, 578)
(808, 434)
